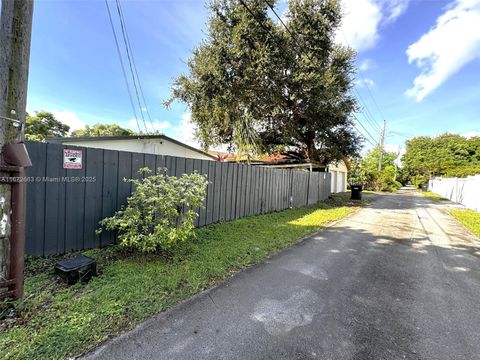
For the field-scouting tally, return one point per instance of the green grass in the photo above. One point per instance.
(469, 218)
(56, 321)
(433, 196)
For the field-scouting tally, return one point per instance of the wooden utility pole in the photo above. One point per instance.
(15, 35)
(382, 144)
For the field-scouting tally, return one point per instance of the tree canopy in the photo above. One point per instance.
(102, 130)
(43, 124)
(445, 155)
(255, 85)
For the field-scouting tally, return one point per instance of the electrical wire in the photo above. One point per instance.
(375, 123)
(124, 36)
(368, 132)
(122, 19)
(363, 135)
(122, 66)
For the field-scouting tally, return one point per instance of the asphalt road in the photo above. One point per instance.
(400, 279)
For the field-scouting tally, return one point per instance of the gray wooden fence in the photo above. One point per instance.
(64, 206)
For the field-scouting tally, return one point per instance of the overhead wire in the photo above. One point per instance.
(124, 36)
(122, 66)
(368, 114)
(368, 132)
(364, 136)
(122, 19)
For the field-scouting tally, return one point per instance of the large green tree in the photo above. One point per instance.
(444, 155)
(43, 124)
(103, 130)
(256, 85)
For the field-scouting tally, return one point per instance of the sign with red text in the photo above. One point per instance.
(72, 159)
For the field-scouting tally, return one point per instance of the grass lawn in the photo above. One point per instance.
(469, 218)
(433, 196)
(56, 321)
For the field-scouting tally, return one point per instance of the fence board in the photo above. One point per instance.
(74, 208)
(197, 167)
(150, 162)
(210, 192)
(35, 227)
(217, 182)
(124, 172)
(202, 219)
(109, 191)
(235, 192)
(54, 192)
(159, 164)
(229, 192)
(93, 197)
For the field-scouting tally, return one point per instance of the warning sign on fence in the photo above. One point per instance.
(72, 159)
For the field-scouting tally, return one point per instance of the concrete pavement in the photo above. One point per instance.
(399, 279)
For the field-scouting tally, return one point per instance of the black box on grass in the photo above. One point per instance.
(79, 268)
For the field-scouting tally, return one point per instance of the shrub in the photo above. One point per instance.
(159, 212)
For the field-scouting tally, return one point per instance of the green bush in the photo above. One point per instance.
(419, 179)
(159, 213)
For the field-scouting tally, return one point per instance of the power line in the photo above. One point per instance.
(371, 94)
(366, 112)
(368, 132)
(122, 18)
(279, 18)
(375, 124)
(124, 36)
(122, 66)
(365, 137)
(255, 18)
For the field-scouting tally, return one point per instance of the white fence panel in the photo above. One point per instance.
(463, 191)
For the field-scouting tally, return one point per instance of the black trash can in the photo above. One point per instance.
(356, 192)
(424, 187)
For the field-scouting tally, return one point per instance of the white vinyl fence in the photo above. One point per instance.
(465, 191)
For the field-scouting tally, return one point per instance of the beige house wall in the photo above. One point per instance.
(339, 173)
(147, 146)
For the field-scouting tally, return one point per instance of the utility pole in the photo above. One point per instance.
(382, 144)
(15, 35)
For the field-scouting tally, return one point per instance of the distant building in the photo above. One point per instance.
(292, 160)
(147, 144)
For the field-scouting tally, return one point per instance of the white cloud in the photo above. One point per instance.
(395, 8)
(392, 148)
(366, 64)
(453, 42)
(185, 131)
(363, 82)
(69, 118)
(363, 19)
(470, 134)
(155, 127)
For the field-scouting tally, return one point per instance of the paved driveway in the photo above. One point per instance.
(397, 280)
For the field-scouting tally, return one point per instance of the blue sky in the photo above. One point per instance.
(420, 59)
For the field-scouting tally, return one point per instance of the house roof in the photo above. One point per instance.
(274, 159)
(59, 140)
